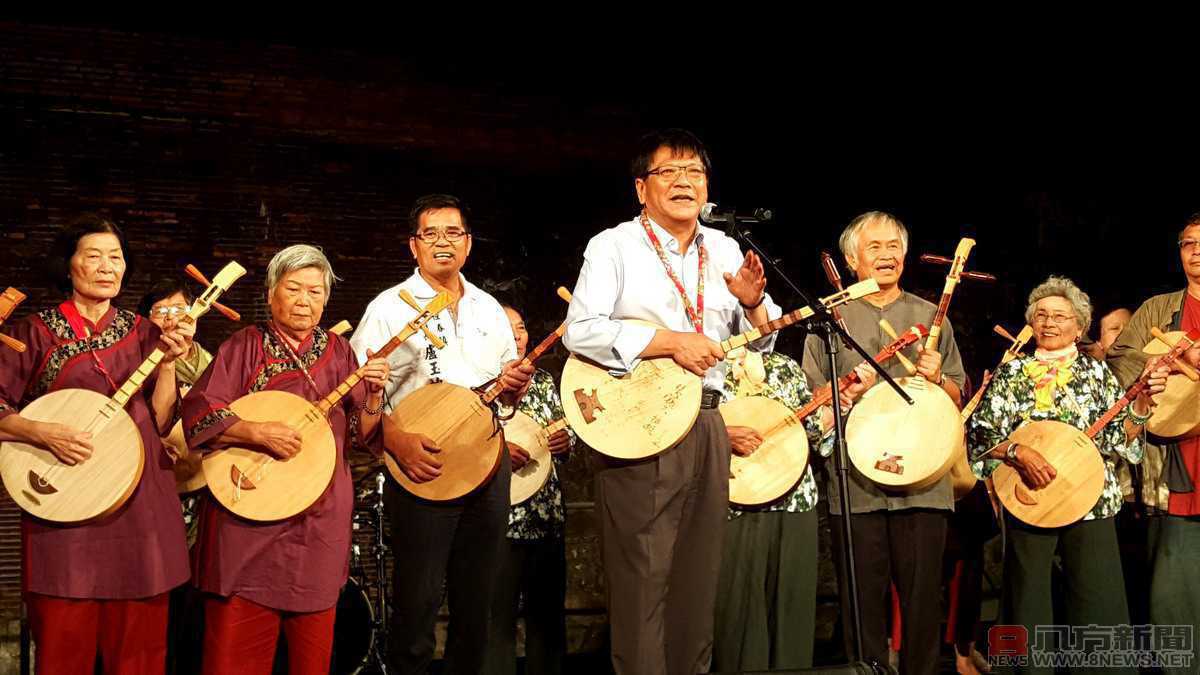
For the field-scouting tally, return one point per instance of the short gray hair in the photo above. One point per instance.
(298, 257)
(1066, 289)
(848, 242)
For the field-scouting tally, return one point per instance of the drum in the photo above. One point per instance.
(353, 630)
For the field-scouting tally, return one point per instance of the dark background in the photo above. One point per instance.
(211, 141)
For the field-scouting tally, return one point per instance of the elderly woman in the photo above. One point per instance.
(1060, 383)
(261, 575)
(100, 586)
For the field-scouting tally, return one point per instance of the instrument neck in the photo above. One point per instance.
(493, 392)
(136, 380)
(556, 426)
(326, 404)
(1011, 353)
(971, 405)
(835, 280)
(1120, 405)
(824, 394)
(935, 328)
(1136, 388)
(767, 328)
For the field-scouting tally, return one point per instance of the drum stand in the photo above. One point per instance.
(822, 323)
(378, 653)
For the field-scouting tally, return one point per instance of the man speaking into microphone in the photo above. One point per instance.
(662, 519)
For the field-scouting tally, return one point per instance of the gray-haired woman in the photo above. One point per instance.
(261, 576)
(1060, 383)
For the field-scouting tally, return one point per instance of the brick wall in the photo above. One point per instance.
(208, 150)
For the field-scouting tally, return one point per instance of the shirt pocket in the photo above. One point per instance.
(721, 308)
(484, 349)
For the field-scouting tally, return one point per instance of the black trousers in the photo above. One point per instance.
(537, 570)
(1094, 590)
(456, 543)
(905, 546)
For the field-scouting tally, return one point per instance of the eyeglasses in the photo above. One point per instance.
(1057, 319)
(171, 310)
(1189, 245)
(670, 174)
(452, 235)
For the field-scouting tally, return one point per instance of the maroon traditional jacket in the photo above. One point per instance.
(299, 564)
(139, 550)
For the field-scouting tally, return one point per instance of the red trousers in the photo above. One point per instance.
(240, 637)
(131, 635)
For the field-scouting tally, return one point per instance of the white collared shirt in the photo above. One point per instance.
(477, 346)
(623, 278)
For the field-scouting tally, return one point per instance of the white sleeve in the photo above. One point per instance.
(590, 332)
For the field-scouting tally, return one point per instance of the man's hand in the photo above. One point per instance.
(744, 440)
(415, 453)
(749, 283)
(560, 441)
(177, 342)
(696, 352)
(866, 379)
(929, 365)
(516, 376)
(517, 455)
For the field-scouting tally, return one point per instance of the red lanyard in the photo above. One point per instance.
(695, 314)
(80, 328)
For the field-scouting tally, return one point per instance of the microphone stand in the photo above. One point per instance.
(822, 323)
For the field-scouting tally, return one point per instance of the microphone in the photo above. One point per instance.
(710, 214)
(379, 483)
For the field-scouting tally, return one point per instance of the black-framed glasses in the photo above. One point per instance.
(452, 235)
(696, 174)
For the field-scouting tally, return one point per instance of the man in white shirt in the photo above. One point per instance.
(459, 539)
(662, 519)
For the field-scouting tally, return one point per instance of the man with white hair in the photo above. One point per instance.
(898, 536)
(260, 577)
